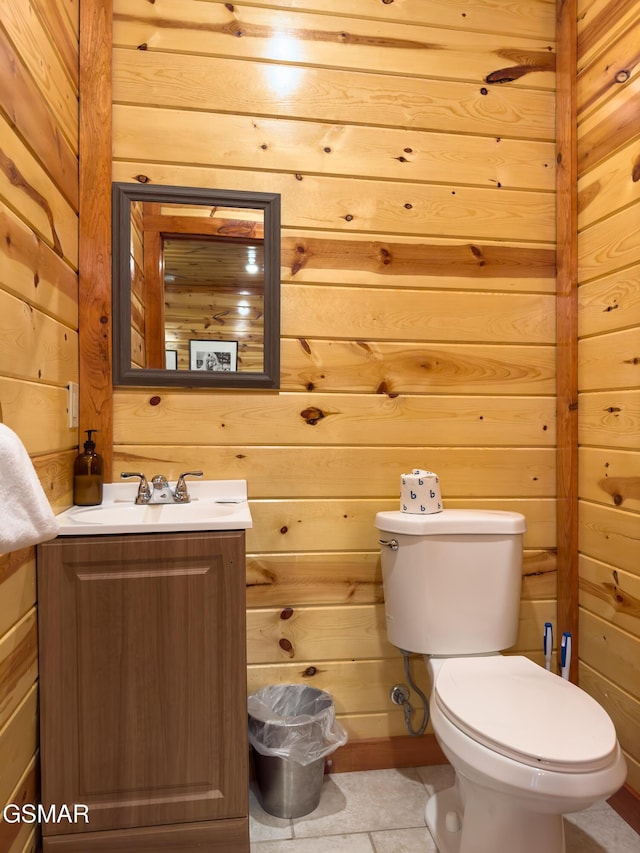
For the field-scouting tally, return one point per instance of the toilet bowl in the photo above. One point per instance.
(527, 747)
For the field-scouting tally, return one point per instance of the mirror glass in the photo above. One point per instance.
(196, 287)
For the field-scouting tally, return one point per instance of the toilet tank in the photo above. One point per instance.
(452, 580)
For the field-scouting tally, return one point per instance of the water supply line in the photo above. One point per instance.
(400, 696)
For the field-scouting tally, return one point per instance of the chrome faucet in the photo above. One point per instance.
(162, 493)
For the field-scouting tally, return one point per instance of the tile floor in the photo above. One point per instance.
(382, 811)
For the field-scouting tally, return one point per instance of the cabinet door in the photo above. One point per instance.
(143, 678)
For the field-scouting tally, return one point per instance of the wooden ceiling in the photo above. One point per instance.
(222, 265)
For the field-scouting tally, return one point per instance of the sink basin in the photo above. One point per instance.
(214, 505)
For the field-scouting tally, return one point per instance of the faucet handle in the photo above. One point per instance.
(181, 495)
(144, 492)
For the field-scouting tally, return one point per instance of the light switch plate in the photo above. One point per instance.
(73, 404)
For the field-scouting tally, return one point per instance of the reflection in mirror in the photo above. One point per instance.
(196, 287)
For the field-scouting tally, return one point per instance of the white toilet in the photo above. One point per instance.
(527, 746)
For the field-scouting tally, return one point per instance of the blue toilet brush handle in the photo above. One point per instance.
(566, 654)
(548, 644)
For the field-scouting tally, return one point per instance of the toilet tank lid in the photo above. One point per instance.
(451, 521)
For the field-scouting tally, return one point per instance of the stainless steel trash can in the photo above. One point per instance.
(293, 727)
(286, 788)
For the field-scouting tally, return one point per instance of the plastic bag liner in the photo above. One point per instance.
(295, 722)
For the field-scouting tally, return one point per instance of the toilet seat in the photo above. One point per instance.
(518, 709)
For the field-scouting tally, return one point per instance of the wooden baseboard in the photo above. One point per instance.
(385, 753)
(626, 802)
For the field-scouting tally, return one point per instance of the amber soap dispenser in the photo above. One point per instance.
(87, 475)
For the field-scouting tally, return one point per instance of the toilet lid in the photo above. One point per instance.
(518, 709)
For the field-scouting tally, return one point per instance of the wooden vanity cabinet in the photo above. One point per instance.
(143, 710)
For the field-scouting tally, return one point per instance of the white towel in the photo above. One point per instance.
(26, 517)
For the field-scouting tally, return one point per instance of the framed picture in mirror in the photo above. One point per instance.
(213, 355)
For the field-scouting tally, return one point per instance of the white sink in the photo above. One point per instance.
(214, 505)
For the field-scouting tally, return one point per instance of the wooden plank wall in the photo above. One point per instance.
(38, 334)
(137, 287)
(609, 362)
(413, 146)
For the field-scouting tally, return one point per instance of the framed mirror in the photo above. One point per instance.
(196, 287)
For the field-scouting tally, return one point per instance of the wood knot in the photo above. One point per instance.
(309, 672)
(155, 401)
(312, 415)
(286, 613)
(286, 646)
(383, 388)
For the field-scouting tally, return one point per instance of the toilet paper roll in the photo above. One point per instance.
(420, 492)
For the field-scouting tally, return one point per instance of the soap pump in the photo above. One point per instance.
(87, 474)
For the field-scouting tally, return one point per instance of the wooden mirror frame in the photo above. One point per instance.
(123, 373)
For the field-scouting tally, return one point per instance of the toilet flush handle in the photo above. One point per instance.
(390, 543)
